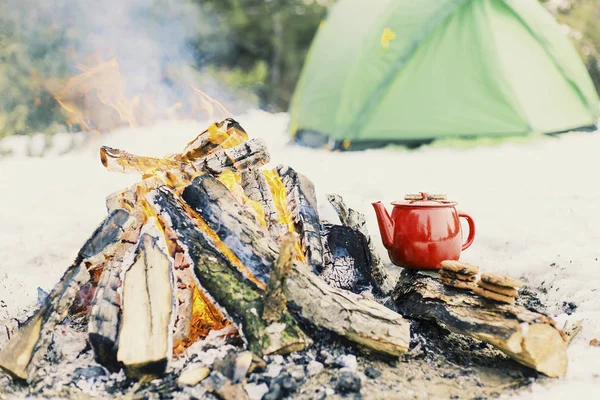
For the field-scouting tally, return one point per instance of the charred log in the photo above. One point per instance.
(230, 288)
(357, 221)
(21, 355)
(346, 258)
(359, 319)
(529, 337)
(302, 203)
(145, 333)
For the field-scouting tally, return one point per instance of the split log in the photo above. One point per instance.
(528, 337)
(240, 299)
(251, 153)
(302, 204)
(257, 188)
(346, 258)
(22, 354)
(357, 221)
(275, 302)
(355, 317)
(145, 334)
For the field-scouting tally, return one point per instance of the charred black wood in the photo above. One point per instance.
(302, 203)
(346, 258)
(211, 200)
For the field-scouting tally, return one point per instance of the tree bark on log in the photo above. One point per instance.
(528, 337)
(23, 352)
(302, 204)
(230, 288)
(145, 333)
(359, 319)
(356, 220)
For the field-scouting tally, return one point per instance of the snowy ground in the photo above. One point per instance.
(536, 206)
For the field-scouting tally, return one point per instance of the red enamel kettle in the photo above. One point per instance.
(421, 233)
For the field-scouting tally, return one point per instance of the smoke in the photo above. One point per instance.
(154, 42)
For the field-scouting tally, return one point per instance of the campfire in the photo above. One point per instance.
(211, 241)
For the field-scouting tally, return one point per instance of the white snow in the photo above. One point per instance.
(536, 206)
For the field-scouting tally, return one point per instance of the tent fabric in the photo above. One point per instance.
(388, 70)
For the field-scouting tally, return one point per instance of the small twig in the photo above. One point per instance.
(275, 302)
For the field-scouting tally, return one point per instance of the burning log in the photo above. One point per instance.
(529, 337)
(359, 319)
(346, 258)
(257, 189)
(223, 135)
(302, 201)
(241, 299)
(248, 154)
(145, 334)
(357, 221)
(26, 348)
(275, 302)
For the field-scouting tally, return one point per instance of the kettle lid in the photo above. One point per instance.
(425, 200)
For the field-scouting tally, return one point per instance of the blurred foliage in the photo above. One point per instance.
(256, 46)
(580, 19)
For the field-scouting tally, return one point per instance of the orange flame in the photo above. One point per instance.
(101, 83)
(231, 180)
(209, 104)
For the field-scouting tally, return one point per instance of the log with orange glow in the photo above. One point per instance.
(240, 298)
(223, 135)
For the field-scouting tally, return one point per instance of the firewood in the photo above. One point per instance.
(248, 154)
(346, 258)
(356, 220)
(275, 301)
(355, 317)
(302, 203)
(225, 134)
(229, 287)
(24, 351)
(257, 188)
(529, 337)
(145, 333)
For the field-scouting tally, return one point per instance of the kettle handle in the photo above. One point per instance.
(471, 223)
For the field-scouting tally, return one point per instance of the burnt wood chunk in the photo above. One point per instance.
(257, 188)
(355, 220)
(145, 332)
(346, 258)
(25, 350)
(302, 204)
(355, 317)
(241, 300)
(529, 337)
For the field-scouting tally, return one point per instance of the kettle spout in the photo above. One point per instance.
(386, 224)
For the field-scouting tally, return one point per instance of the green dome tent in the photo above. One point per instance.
(384, 71)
